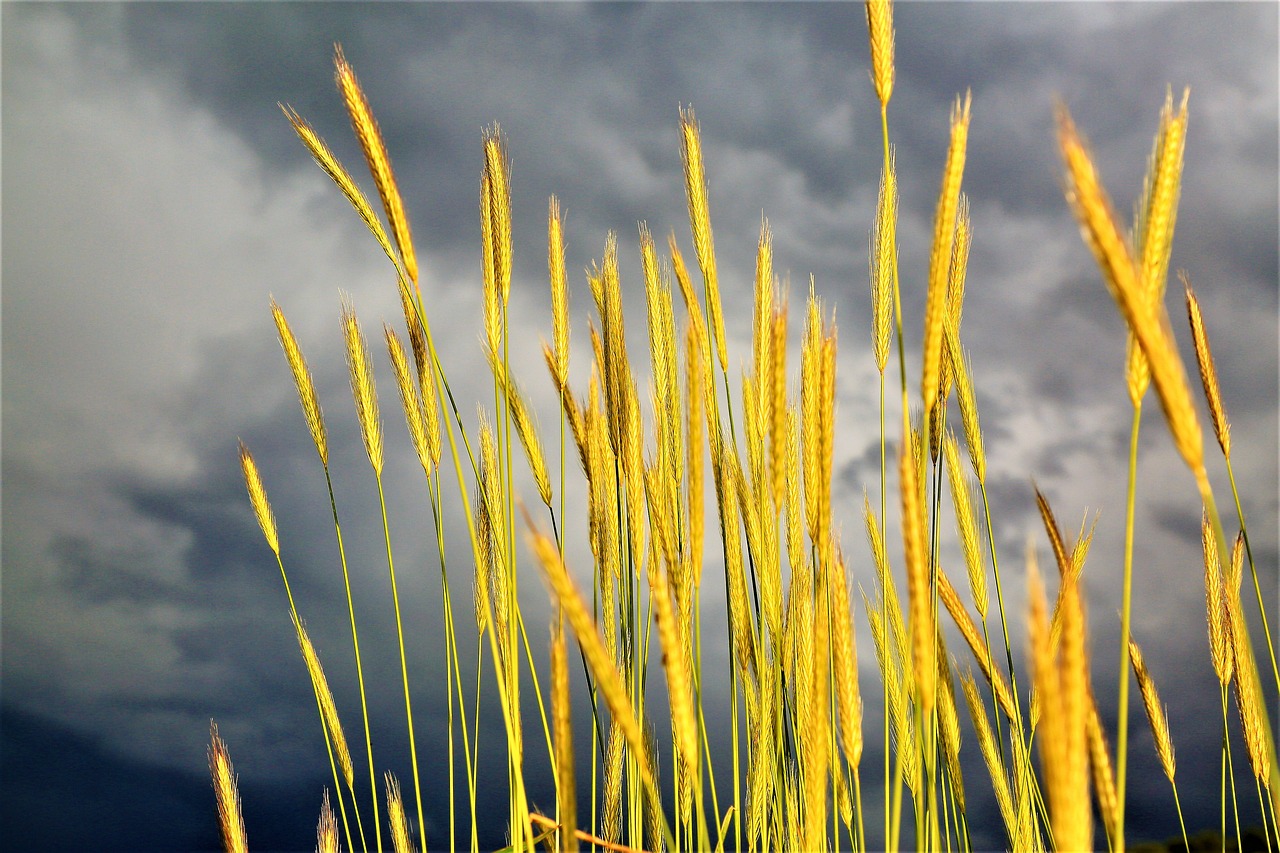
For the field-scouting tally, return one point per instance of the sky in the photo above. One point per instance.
(155, 199)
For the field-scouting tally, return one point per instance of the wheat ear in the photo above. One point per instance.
(1208, 371)
(375, 154)
(230, 820)
(935, 311)
(880, 27)
(400, 839)
(327, 828)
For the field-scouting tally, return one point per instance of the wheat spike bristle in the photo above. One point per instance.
(302, 379)
(258, 499)
(1208, 370)
(1156, 715)
(363, 388)
(880, 29)
(375, 153)
(327, 828)
(700, 221)
(940, 257)
(328, 709)
(230, 819)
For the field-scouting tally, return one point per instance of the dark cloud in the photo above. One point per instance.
(155, 196)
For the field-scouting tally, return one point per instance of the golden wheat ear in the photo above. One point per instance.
(327, 828)
(230, 820)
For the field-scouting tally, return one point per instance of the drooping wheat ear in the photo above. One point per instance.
(1248, 700)
(969, 414)
(1156, 716)
(411, 401)
(498, 168)
(990, 752)
(400, 839)
(329, 163)
(888, 589)
(1061, 680)
(898, 689)
(230, 820)
(695, 180)
(417, 343)
(375, 154)
(1216, 609)
(302, 378)
(363, 388)
(327, 828)
(1104, 778)
(526, 429)
(576, 610)
(884, 247)
(949, 725)
(684, 724)
(559, 287)
(258, 499)
(967, 525)
(935, 311)
(1060, 556)
(919, 596)
(1208, 371)
(880, 26)
(566, 789)
(1146, 319)
(739, 607)
(844, 654)
(951, 600)
(328, 709)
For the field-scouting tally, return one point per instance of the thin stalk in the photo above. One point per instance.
(1126, 599)
(355, 642)
(404, 665)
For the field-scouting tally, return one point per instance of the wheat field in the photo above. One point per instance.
(667, 719)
